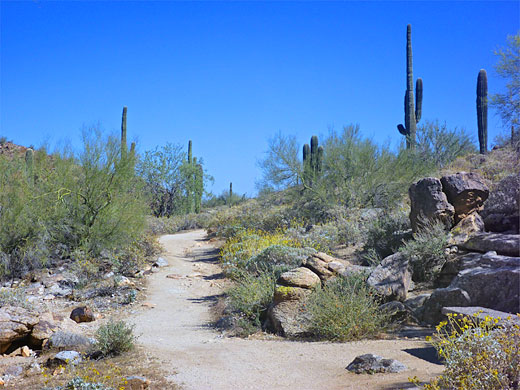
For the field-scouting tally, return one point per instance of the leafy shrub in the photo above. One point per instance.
(249, 299)
(345, 309)
(237, 250)
(114, 338)
(277, 259)
(81, 384)
(13, 297)
(385, 235)
(477, 354)
(427, 251)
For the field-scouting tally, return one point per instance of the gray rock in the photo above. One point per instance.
(371, 364)
(68, 357)
(357, 269)
(466, 191)
(392, 278)
(428, 202)
(160, 262)
(493, 283)
(396, 310)
(67, 340)
(288, 319)
(13, 371)
(481, 313)
(442, 297)
(503, 244)
(501, 211)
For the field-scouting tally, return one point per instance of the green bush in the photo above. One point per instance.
(65, 203)
(384, 235)
(477, 353)
(345, 309)
(114, 338)
(427, 251)
(277, 259)
(81, 384)
(249, 299)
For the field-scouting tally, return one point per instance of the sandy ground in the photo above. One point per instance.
(196, 356)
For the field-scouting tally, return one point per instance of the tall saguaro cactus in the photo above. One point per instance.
(312, 161)
(411, 115)
(230, 193)
(29, 164)
(123, 133)
(482, 110)
(189, 152)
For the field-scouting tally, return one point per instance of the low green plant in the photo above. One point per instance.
(81, 384)
(345, 309)
(384, 235)
(427, 251)
(13, 297)
(249, 299)
(114, 338)
(277, 259)
(478, 354)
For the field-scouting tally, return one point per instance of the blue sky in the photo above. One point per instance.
(229, 75)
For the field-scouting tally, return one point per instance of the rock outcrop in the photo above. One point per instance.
(466, 191)
(429, 202)
(15, 324)
(371, 364)
(503, 244)
(501, 211)
(392, 277)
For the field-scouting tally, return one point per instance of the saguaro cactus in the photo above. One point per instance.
(482, 109)
(230, 200)
(189, 152)
(123, 133)
(312, 161)
(411, 115)
(29, 164)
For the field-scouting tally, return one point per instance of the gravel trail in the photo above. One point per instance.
(196, 357)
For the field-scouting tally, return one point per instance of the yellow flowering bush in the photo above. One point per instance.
(478, 354)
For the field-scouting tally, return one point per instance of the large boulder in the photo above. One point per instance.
(492, 283)
(503, 244)
(465, 228)
(15, 324)
(289, 319)
(441, 297)
(428, 202)
(392, 277)
(82, 314)
(466, 191)
(500, 211)
(325, 266)
(299, 277)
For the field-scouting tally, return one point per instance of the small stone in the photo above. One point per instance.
(149, 305)
(160, 262)
(82, 314)
(26, 351)
(68, 357)
(371, 364)
(135, 382)
(174, 276)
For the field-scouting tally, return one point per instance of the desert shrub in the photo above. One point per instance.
(478, 354)
(384, 235)
(238, 249)
(82, 384)
(114, 338)
(13, 297)
(249, 299)
(345, 309)
(427, 251)
(277, 259)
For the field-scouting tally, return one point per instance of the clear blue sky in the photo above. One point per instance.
(229, 75)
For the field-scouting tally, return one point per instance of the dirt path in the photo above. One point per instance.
(198, 357)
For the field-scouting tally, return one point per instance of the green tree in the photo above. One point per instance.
(281, 166)
(508, 67)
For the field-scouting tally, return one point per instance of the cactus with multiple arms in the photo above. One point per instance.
(482, 110)
(312, 161)
(411, 115)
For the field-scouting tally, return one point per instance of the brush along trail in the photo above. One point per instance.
(174, 326)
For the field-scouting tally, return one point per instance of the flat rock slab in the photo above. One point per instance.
(299, 277)
(503, 244)
(481, 313)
